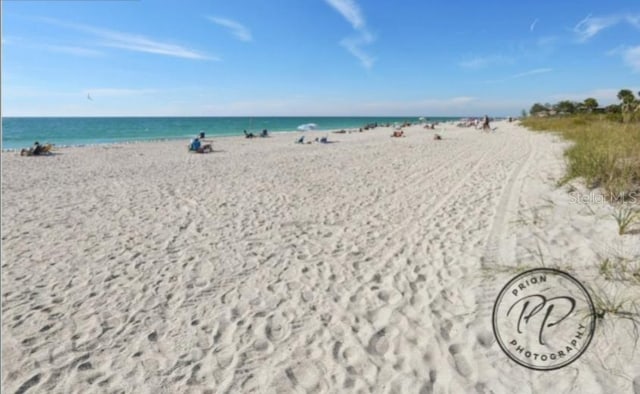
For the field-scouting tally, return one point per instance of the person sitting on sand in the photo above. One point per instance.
(196, 146)
(265, 133)
(248, 135)
(437, 137)
(35, 150)
(398, 133)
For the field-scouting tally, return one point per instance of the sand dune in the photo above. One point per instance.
(367, 265)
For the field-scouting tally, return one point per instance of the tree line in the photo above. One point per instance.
(629, 104)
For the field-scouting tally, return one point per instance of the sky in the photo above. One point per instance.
(313, 57)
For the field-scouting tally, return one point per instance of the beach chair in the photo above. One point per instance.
(47, 149)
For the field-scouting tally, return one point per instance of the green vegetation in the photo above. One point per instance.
(606, 149)
(627, 110)
(625, 216)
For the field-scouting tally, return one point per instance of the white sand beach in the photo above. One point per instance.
(370, 264)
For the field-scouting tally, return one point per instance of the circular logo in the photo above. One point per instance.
(544, 319)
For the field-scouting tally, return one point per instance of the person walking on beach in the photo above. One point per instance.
(485, 124)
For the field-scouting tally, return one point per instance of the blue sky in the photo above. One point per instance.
(313, 57)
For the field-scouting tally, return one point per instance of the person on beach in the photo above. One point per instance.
(196, 146)
(485, 124)
(36, 150)
(248, 135)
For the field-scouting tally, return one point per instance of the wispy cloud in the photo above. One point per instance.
(485, 61)
(533, 25)
(133, 42)
(350, 11)
(74, 50)
(531, 72)
(631, 57)
(354, 46)
(241, 32)
(590, 26)
(522, 75)
(138, 43)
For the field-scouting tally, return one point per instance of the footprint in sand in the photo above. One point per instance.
(445, 329)
(379, 343)
(486, 339)
(307, 296)
(350, 356)
(225, 357)
(263, 345)
(383, 295)
(427, 388)
(462, 364)
(34, 380)
(309, 376)
(277, 329)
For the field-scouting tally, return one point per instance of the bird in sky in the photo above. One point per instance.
(89, 97)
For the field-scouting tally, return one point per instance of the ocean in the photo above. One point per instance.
(23, 132)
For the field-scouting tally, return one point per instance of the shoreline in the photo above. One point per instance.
(160, 140)
(349, 130)
(194, 123)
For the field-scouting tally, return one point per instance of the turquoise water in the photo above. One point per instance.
(23, 132)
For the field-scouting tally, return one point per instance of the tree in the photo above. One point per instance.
(537, 108)
(590, 104)
(612, 109)
(626, 96)
(565, 106)
(629, 105)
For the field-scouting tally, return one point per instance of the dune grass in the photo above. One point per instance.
(605, 153)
